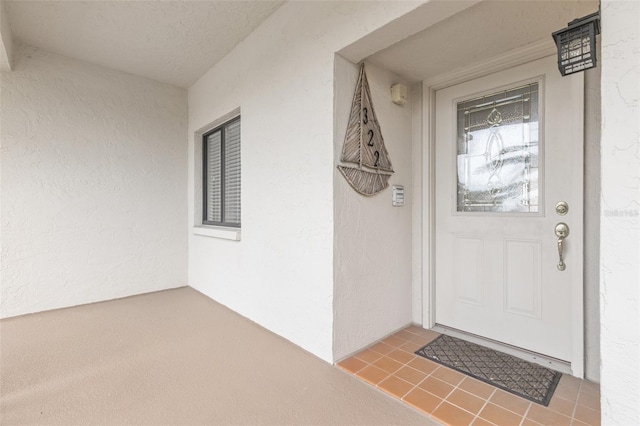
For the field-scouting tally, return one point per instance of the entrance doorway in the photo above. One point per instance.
(508, 153)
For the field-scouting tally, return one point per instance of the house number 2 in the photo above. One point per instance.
(365, 120)
(370, 133)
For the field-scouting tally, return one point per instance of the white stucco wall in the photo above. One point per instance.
(93, 189)
(620, 204)
(372, 251)
(281, 77)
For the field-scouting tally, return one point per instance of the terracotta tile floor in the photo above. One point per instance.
(456, 399)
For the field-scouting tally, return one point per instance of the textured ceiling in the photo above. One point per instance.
(175, 42)
(480, 32)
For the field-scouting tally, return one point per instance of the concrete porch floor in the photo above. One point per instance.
(173, 357)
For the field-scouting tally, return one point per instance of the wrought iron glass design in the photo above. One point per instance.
(497, 152)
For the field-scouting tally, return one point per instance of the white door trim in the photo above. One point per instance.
(426, 224)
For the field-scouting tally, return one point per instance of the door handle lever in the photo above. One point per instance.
(562, 232)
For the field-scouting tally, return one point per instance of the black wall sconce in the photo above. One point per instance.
(576, 44)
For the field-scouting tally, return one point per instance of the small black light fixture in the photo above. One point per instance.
(576, 44)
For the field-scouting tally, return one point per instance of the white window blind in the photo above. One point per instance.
(232, 173)
(222, 175)
(214, 177)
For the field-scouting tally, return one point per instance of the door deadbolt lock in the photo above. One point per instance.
(562, 208)
(562, 232)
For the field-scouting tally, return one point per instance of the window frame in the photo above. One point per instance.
(223, 143)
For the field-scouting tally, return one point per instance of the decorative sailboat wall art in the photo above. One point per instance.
(364, 145)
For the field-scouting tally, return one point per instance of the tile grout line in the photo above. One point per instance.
(400, 399)
(405, 364)
(573, 412)
(486, 402)
(406, 345)
(509, 409)
(448, 395)
(575, 404)
(526, 413)
(475, 416)
(402, 364)
(417, 386)
(439, 367)
(456, 387)
(495, 389)
(390, 375)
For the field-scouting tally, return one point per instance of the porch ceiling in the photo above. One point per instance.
(174, 42)
(482, 31)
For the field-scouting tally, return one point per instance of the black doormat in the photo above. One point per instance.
(531, 381)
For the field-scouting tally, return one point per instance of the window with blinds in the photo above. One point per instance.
(221, 177)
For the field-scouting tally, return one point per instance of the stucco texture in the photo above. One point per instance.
(281, 77)
(93, 184)
(620, 209)
(372, 251)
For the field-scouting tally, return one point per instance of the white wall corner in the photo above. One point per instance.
(6, 40)
(288, 188)
(104, 154)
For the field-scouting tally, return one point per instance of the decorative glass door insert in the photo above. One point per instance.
(497, 152)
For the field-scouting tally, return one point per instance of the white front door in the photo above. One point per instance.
(508, 149)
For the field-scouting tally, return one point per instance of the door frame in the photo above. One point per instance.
(426, 223)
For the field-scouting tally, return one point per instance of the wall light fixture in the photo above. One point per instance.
(576, 44)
